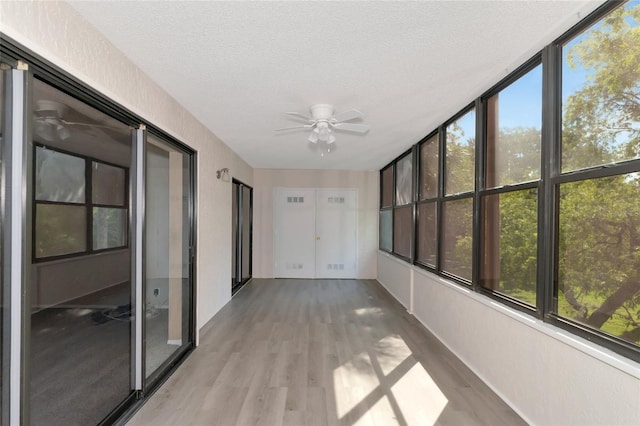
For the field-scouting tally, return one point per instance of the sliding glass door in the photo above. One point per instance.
(80, 287)
(168, 247)
(96, 251)
(241, 234)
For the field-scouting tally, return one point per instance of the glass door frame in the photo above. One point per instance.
(148, 384)
(16, 212)
(238, 187)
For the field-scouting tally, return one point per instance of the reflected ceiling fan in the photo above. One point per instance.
(50, 124)
(323, 122)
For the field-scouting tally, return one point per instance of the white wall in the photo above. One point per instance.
(56, 32)
(266, 180)
(549, 376)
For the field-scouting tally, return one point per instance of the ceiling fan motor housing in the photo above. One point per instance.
(321, 111)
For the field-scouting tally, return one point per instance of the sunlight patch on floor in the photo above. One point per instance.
(419, 398)
(391, 351)
(368, 311)
(386, 383)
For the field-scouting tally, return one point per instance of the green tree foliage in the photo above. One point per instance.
(599, 257)
(599, 219)
(458, 214)
(601, 121)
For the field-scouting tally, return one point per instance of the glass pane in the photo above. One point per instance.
(403, 230)
(109, 228)
(514, 123)
(404, 180)
(59, 177)
(429, 160)
(246, 233)
(427, 239)
(460, 155)
(167, 244)
(80, 335)
(387, 187)
(386, 230)
(509, 244)
(108, 184)
(457, 237)
(3, 208)
(600, 92)
(60, 229)
(598, 270)
(234, 233)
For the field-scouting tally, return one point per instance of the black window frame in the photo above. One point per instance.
(484, 191)
(390, 166)
(88, 205)
(547, 187)
(395, 206)
(443, 197)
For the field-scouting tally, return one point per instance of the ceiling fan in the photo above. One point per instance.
(322, 122)
(49, 123)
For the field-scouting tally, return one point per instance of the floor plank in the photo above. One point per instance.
(321, 352)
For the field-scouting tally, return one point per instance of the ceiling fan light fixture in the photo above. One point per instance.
(63, 132)
(313, 137)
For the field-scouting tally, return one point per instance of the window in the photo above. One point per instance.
(598, 212)
(402, 230)
(460, 154)
(457, 205)
(509, 216)
(599, 254)
(509, 244)
(600, 87)
(63, 214)
(403, 207)
(571, 190)
(427, 237)
(396, 207)
(429, 172)
(386, 230)
(404, 181)
(457, 229)
(386, 213)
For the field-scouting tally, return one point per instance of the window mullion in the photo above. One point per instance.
(546, 295)
(479, 184)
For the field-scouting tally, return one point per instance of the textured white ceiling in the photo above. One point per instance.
(408, 66)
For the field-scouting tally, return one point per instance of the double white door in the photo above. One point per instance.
(315, 233)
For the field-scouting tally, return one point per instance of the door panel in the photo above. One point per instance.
(80, 287)
(167, 272)
(294, 233)
(336, 233)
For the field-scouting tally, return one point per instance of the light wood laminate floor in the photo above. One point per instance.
(321, 352)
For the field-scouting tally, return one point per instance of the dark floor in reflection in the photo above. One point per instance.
(80, 359)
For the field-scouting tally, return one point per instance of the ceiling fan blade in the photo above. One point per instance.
(351, 114)
(352, 127)
(299, 115)
(306, 126)
(71, 123)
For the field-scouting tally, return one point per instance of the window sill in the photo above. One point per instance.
(595, 351)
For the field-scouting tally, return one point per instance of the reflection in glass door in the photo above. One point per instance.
(2, 209)
(167, 243)
(241, 237)
(80, 261)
